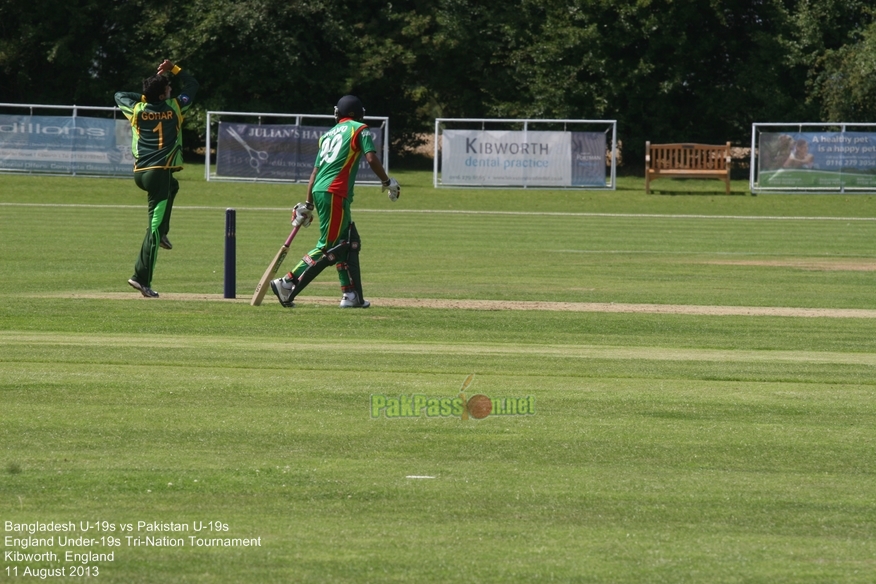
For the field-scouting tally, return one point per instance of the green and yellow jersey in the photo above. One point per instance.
(157, 127)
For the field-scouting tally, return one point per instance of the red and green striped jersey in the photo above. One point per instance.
(337, 161)
(157, 127)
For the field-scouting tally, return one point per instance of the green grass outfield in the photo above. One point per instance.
(701, 365)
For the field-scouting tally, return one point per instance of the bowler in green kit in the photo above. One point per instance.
(156, 120)
(330, 192)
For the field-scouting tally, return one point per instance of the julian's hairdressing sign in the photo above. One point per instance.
(276, 151)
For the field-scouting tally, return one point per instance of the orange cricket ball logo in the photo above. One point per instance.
(479, 406)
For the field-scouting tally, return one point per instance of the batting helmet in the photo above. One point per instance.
(350, 106)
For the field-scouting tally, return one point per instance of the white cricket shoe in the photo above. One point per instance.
(283, 291)
(351, 300)
(146, 291)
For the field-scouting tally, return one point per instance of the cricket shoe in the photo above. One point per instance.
(144, 290)
(165, 243)
(351, 300)
(283, 294)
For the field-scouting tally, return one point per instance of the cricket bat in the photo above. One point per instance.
(269, 274)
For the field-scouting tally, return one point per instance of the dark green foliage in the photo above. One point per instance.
(702, 70)
(846, 80)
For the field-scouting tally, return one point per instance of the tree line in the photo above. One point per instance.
(666, 70)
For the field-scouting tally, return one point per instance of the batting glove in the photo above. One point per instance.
(394, 189)
(302, 214)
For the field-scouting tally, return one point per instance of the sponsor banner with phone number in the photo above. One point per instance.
(68, 145)
(817, 159)
(276, 151)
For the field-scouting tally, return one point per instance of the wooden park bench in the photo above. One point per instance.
(687, 161)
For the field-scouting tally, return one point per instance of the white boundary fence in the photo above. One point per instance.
(248, 149)
(525, 153)
(63, 145)
(813, 157)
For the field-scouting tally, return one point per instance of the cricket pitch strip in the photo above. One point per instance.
(437, 303)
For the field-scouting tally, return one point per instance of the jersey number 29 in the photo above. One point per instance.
(331, 148)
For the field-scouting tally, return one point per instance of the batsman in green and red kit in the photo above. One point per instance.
(330, 192)
(156, 122)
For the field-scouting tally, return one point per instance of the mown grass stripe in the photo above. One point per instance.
(470, 212)
(12, 338)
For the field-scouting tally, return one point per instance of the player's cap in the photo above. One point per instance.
(350, 106)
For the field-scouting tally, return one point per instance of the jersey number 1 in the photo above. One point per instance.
(160, 129)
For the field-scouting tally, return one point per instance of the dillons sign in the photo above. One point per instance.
(37, 128)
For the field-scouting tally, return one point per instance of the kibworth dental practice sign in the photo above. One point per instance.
(530, 158)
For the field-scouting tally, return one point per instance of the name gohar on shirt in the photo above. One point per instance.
(147, 116)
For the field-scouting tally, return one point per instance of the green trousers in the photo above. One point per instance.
(334, 222)
(161, 188)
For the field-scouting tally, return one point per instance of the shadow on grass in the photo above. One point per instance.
(698, 193)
